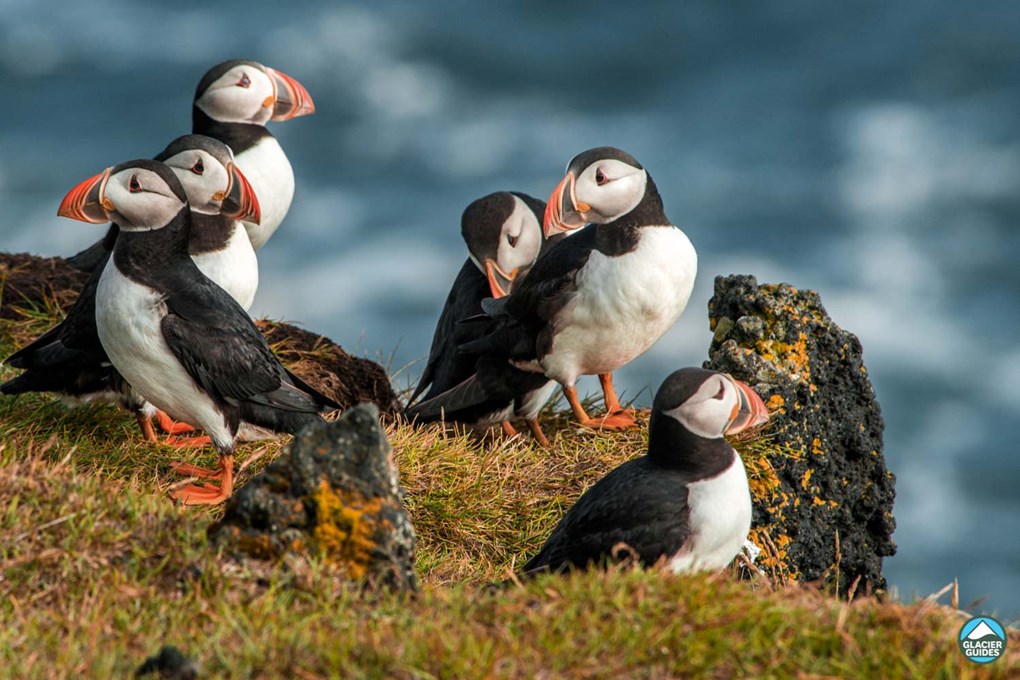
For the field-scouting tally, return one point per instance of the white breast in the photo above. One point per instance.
(235, 268)
(269, 172)
(623, 305)
(720, 517)
(128, 317)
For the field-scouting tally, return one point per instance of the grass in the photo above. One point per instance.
(98, 570)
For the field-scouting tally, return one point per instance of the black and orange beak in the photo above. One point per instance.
(564, 212)
(240, 201)
(749, 411)
(500, 281)
(292, 99)
(86, 202)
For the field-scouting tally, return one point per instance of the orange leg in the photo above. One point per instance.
(609, 421)
(536, 432)
(194, 494)
(612, 401)
(168, 425)
(145, 425)
(189, 442)
(189, 470)
(508, 429)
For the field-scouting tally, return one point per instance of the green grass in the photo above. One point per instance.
(98, 569)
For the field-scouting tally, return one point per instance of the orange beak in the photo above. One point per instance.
(499, 280)
(241, 203)
(564, 212)
(749, 412)
(86, 202)
(292, 99)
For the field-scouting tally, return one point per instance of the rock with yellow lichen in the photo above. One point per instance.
(823, 496)
(332, 493)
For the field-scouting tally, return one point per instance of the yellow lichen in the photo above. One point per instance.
(345, 528)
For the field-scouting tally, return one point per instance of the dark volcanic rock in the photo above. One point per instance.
(169, 663)
(348, 379)
(823, 478)
(33, 282)
(333, 492)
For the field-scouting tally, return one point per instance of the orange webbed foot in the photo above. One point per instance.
(189, 442)
(170, 426)
(193, 494)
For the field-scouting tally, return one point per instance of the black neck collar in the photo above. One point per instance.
(672, 446)
(144, 256)
(621, 236)
(238, 136)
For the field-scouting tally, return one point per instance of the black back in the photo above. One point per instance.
(638, 504)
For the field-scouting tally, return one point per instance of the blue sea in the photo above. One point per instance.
(868, 150)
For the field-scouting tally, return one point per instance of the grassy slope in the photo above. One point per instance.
(98, 569)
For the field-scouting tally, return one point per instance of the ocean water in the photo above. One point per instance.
(870, 151)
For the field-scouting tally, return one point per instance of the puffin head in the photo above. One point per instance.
(140, 195)
(707, 404)
(601, 185)
(242, 91)
(212, 181)
(503, 236)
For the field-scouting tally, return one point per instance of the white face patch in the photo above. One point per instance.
(708, 411)
(240, 96)
(525, 233)
(142, 200)
(621, 188)
(202, 177)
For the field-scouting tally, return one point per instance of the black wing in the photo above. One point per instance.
(494, 387)
(222, 350)
(94, 257)
(637, 504)
(68, 358)
(526, 318)
(447, 367)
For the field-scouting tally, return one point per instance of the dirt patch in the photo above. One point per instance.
(328, 368)
(32, 282)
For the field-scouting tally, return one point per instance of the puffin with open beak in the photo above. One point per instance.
(503, 234)
(233, 103)
(604, 296)
(686, 501)
(174, 335)
(69, 358)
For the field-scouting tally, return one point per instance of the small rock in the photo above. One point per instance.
(824, 480)
(334, 493)
(170, 663)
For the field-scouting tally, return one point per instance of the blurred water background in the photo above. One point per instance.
(868, 150)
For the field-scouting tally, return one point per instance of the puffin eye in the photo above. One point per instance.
(245, 81)
(600, 177)
(722, 391)
(133, 185)
(198, 168)
(511, 239)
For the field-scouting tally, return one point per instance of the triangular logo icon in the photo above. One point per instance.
(981, 630)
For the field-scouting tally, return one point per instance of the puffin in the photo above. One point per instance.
(503, 234)
(175, 336)
(604, 296)
(233, 102)
(685, 502)
(70, 360)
